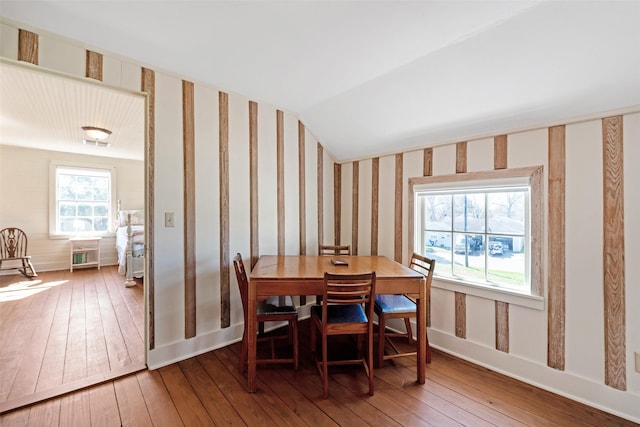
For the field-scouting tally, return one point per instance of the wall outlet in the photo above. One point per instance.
(169, 220)
(637, 361)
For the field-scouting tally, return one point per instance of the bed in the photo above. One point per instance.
(130, 245)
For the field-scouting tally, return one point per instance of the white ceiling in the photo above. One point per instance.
(46, 110)
(376, 77)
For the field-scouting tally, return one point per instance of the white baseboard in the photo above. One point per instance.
(175, 352)
(200, 344)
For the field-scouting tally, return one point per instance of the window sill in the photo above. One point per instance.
(496, 294)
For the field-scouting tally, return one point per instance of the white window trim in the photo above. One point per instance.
(53, 165)
(534, 175)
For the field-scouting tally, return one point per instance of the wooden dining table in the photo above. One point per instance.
(304, 275)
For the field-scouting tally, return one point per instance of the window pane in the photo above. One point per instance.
(67, 209)
(85, 209)
(82, 224)
(101, 224)
(437, 244)
(506, 213)
(443, 260)
(66, 225)
(468, 263)
(468, 212)
(101, 189)
(101, 209)
(505, 267)
(437, 212)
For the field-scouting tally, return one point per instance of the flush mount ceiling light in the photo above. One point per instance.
(96, 136)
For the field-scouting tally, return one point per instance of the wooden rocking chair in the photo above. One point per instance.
(13, 247)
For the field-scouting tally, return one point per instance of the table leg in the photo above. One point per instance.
(251, 339)
(422, 333)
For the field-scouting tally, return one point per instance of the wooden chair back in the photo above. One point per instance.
(13, 243)
(243, 283)
(423, 265)
(340, 289)
(13, 247)
(334, 250)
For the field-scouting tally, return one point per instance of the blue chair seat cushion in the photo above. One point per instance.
(394, 304)
(349, 313)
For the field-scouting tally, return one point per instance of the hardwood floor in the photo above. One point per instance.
(62, 331)
(208, 390)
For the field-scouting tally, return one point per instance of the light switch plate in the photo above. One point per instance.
(169, 220)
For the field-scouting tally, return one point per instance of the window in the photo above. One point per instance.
(482, 228)
(83, 199)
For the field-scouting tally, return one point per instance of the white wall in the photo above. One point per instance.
(583, 377)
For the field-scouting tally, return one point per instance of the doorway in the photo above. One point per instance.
(58, 106)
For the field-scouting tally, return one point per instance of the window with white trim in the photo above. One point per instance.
(479, 227)
(83, 199)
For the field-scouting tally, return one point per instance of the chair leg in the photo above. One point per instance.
(407, 325)
(426, 336)
(243, 353)
(312, 338)
(381, 329)
(293, 327)
(370, 360)
(325, 368)
(27, 268)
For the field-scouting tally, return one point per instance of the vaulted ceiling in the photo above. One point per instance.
(377, 77)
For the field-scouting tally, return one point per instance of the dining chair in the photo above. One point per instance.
(13, 247)
(401, 307)
(347, 310)
(266, 312)
(334, 250)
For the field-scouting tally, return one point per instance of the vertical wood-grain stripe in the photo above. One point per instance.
(556, 249)
(501, 308)
(320, 178)
(461, 315)
(537, 233)
(502, 326)
(28, 46)
(302, 202)
(427, 170)
(375, 203)
(148, 85)
(427, 162)
(223, 141)
(280, 178)
(461, 157)
(93, 65)
(461, 299)
(253, 183)
(613, 254)
(397, 221)
(337, 202)
(302, 192)
(354, 212)
(500, 152)
(188, 141)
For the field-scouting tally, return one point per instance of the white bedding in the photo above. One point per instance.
(137, 245)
